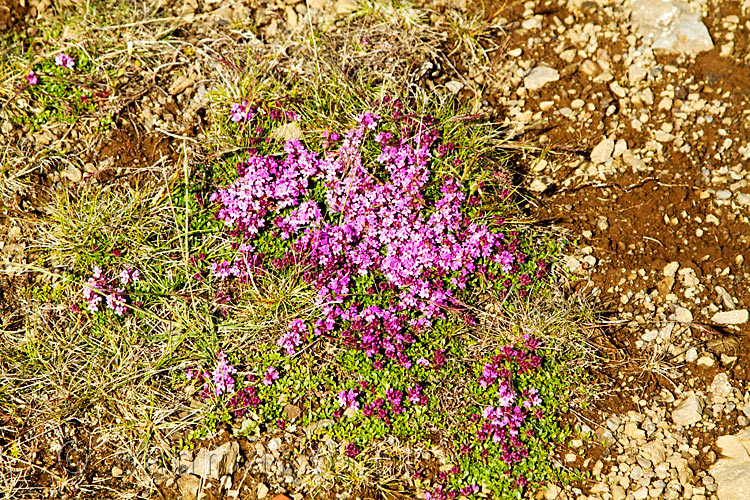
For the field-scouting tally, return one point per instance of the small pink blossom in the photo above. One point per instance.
(64, 60)
(271, 376)
(32, 78)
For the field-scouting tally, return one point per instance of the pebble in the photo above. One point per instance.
(683, 315)
(262, 491)
(72, 173)
(688, 412)
(736, 317)
(539, 77)
(602, 151)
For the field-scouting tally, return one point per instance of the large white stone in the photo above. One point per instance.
(670, 25)
(603, 151)
(732, 471)
(736, 317)
(539, 77)
(688, 412)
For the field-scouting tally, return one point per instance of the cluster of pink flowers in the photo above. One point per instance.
(98, 289)
(423, 252)
(241, 112)
(32, 78)
(394, 403)
(64, 60)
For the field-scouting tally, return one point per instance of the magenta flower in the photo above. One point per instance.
(348, 399)
(241, 112)
(271, 376)
(64, 60)
(222, 375)
(32, 78)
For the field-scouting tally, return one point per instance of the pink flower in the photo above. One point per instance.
(241, 112)
(222, 375)
(271, 375)
(31, 78)
(64, 60)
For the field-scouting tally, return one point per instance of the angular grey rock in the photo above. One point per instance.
(732, 473)
(603, 151)
(736, 317)
(216, 463)
(670, 25)
(539, 77)
(688, 412)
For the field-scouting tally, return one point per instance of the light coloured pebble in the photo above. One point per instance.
(736, 317)
(602, 151)
(683, 315)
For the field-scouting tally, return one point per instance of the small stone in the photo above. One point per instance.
(292, 412)
(116, 471)
(343, 7)
(641, 493)
(602, 223)
(262, 491)
(736, 317)
(688, 412)
(706, 361)
(286, 131)
(216, 463)
(603, 151)
(723, 194)
(683, 315)
(620, 147)
(618, 492)
(541, 184)
(539, 77)
(189, 485)
(613, 423)
(671, 269)
(670, 25)
(591, 68)
(720, 387)
(274, 444)
(72, 173)
(552, 492)
(454, 86)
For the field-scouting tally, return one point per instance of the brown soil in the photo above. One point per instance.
(12, 15)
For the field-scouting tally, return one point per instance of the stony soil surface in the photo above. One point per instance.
(643, 157)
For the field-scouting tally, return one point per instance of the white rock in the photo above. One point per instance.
(691, 355)
(620, 147)
(262, 491)
(688, 412)
(736, 317)
(732, 474)
(720, 387)
(72, 173)
(603, 151)
(541, 184)
(454, 86)
(669, 25)
(539, 77)
(671, 269)
(683, 315)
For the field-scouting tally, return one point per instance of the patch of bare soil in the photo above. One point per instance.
(12, 15)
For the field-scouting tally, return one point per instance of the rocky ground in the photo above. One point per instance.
(637, 135)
